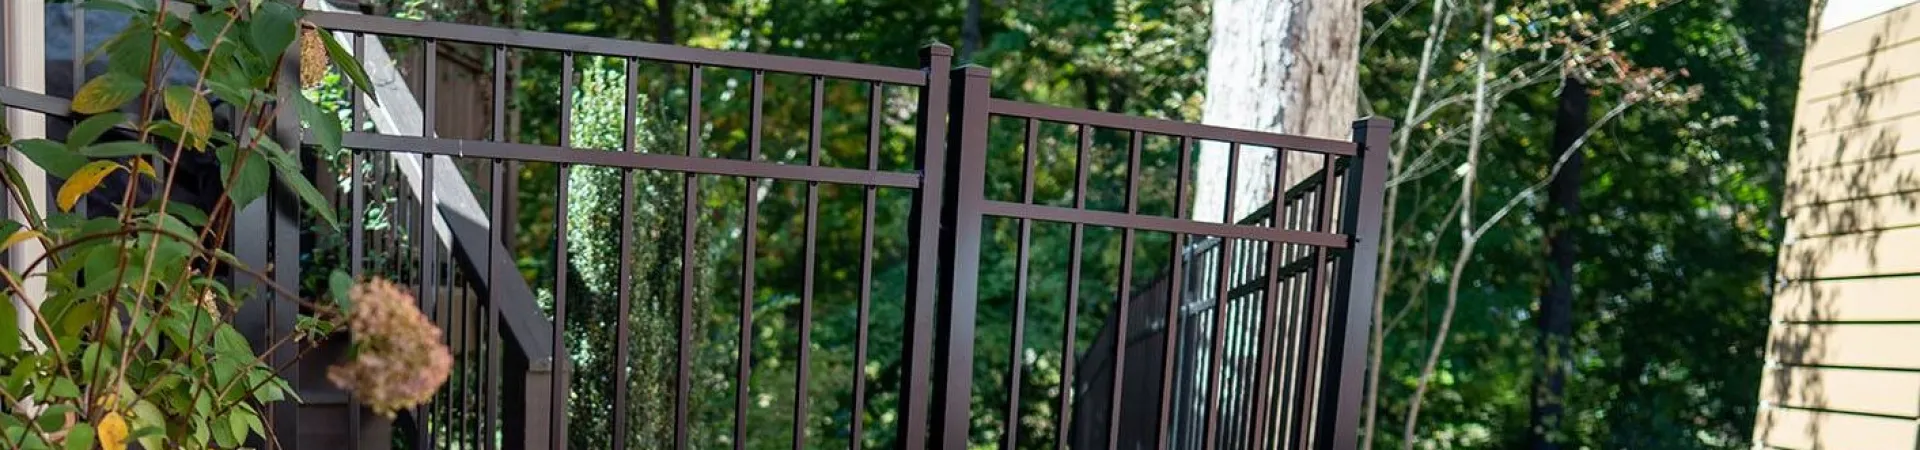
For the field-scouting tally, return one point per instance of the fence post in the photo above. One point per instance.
(1366, 184)
(923, 264)
(273, 219)
(960, 247)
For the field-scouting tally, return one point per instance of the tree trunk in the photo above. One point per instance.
(665, 29)
(1283, 66)
(970, 31)
(1555, 319)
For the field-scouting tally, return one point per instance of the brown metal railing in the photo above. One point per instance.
(1251, 339)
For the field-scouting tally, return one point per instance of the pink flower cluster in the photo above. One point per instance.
(399, 360)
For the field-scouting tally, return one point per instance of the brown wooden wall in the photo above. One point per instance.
(1844, 350)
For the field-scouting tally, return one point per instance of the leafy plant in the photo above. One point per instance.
(134, 342)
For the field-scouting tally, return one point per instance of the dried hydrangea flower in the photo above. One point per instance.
(313, 58)
(398, 360)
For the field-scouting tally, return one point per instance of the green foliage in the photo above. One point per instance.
(134, 341)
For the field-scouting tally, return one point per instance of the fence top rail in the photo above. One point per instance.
(1010, 108)
(475, 34)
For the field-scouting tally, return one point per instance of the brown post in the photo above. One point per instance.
(1339, 417)
(960, 247)
(924, 236)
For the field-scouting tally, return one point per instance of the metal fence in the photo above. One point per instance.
(1252, 338)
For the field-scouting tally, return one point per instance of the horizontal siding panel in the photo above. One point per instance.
(1874, 105)
(1886, 346)
(1876, 68)
(1853, 181)
(1885, 30)
(1886, 392)
(1892, 252)
(1818, 150)
(1855, 216)
(1858, 300)
(1797, 429)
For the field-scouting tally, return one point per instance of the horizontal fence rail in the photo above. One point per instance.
(1161, 330)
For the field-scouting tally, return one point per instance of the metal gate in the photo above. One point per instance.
(1252, 336)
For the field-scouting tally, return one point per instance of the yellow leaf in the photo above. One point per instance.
(141, 166)
(106, 93)
(191, 111)
(83, 181)
(18, 237)
(113, 431)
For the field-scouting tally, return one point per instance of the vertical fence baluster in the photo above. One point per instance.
(1020, 288)
(1176, 297)
(1263, 398)
(1316, 312)
(1216, 356)
(356, 258)
(562, 361)
(624, 292)
(875, 94)
(690, 206)
(1071, 328)
(749, 251)
(806, 290)
(1124, 291)
(496, 236)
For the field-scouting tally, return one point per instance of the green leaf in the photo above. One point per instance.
(80, 437)
(249, 184)
(91, 129)
(309, 195)
(107, 92)
(325, 126)
(64, 388)
(194, 58)
(127, 6)
(342, 285)
(290, 175)
(132, 52)
(228, 342)
(76, 318)
(56, 159)
(6, 135)
(207, 25)
(9, 334)
(189, 214)
(119, 149)
(346, 62)
(273, 29)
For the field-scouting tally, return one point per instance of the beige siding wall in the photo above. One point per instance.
(1844, 351)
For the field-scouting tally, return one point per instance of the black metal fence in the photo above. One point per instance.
(1250, 335)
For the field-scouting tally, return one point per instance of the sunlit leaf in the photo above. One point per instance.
(107, 92)
(83, 181)
(113, 431)
(19, 236)
(192, 111)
